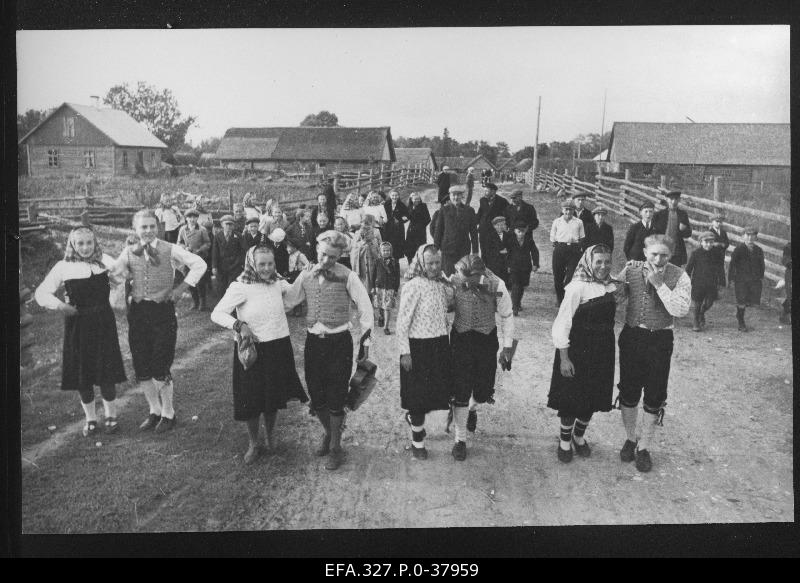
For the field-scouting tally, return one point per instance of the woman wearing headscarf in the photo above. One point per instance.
(423, 342)
(365, 252)
(374, 206)
(419, 218)
(351, 211)
(257, 295)
(583, 334)
(91, 354)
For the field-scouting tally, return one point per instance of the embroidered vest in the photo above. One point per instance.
(474, 313)
(328, 302)
(644, 305)
(152, 282)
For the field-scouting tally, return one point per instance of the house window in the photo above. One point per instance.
(69, 127)
(52, 157)
(124, 159)
(153, 158)
(88, 158)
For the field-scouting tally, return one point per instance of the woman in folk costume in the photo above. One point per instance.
(257, 296)
(479, 296)
(387, 284)
(351, 211)
(583, 334)
(423, 342)
(365, 252)
(91, 354)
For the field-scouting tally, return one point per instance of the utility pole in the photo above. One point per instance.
(536, 145)
(603, 122)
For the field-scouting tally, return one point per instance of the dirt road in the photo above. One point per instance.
(724, 454)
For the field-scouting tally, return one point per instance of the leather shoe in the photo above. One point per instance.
(460, 451)
(627, 453)
(335, 459)
(472, 421)
(564, 455)
(166, 424)
(420, 453)
(150, 423)
(643, 461)
(582, 450)
(324, 447)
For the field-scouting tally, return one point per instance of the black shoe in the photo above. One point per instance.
(380, 321)
(111, 425)
(628, 451)
(472, 421)
(582, 450)
(460, 451)
(324, 447)
(643, 461)
(90, 429)
(150, 423)
(420, 453)
(564, 455)
(335, 459)
(166, 424)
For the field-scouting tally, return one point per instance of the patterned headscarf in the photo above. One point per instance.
(71, 253)
(250, 275)
(417, 267)
(585, 272)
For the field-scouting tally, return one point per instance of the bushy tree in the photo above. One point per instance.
(324, 119)
(29, 120)
(157, 109)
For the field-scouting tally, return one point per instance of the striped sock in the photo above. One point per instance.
(418, 436)
(580, 429)
(566, 432)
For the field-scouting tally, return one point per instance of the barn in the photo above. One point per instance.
(89, 140)
(416, 156)
(306, 149)
(748, 153)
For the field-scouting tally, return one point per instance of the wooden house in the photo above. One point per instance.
(697, 152)
(88, 140)
(306, 149)
(416, 156)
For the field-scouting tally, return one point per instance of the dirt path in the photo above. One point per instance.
(723, 455)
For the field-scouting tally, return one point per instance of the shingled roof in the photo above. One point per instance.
(120, 127)
(307, 143)
(415, 156)
(735, 144)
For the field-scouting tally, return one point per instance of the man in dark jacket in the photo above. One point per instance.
(456, 232)
(600, 232)
(581, 212)
(443, 182)
(302, 231)
(638, 232)
(490, 206)
(674, 223)
(227, 255)
(519, 209)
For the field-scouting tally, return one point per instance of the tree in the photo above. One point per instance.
(324, 119)
(502, 150)
(29, 120)
(158, 110)
(445, 143)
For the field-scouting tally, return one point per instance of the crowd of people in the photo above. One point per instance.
(455, 316)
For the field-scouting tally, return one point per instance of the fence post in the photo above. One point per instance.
(230, 200)
(716, 188)
(663, 182)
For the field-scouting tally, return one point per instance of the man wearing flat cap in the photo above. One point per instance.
(599, 232)
(638, 232)
(491, 205)
(718, 246)
(746, 273)
(566, 235)
(581, 212)
(227, 257)
(252, 237)
(519, 209)
(495, 253)
(674, 223)
(456, 232)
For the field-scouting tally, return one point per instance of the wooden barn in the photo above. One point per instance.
(459, 164)
(89, 140)
(416, 156)
(308, 149)
(505, 168)
(696, 152)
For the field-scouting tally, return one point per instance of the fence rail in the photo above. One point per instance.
(623, 197)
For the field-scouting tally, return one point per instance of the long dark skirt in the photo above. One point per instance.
(269, 383)
(427, 386)
(91, 350)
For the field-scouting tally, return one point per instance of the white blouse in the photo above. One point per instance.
(423, 311)
(575, 294)
(66, 270)
(377, 211)
(259, 304)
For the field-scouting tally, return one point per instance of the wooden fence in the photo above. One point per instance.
(623, 197)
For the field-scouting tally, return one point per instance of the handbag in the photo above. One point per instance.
(245, 350)
(362, 384)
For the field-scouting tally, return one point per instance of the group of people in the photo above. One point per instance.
(475, 268)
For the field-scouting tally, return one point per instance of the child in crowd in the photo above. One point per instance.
(278, 239)
(387, 284)
(91, 354)
(340, 224)
(495, 252)
(252, 237)
(365, 252)
(746, 272)
(170, 217)
(718, 247)
(523, 258)
(195, 238)
(702, 269)
(323, 224)
(297, 260)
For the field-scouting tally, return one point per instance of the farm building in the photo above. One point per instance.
(415, 156)
(696, 152)
(505, 167)
(85, 139)
(310, 149)
(459, 164)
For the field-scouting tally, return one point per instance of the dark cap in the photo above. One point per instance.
(491, 186)
(498, 219)
(577, 193)
(646, 205)
(226, 219)
(516, 193)
(520, 224)
(673, 193)
(706, 235)
(252, 220)
(599, 210)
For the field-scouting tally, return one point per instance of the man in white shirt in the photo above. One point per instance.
(152, 324)
(566, 234)
(330, 288)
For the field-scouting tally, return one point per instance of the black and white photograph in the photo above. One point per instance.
(355, 278)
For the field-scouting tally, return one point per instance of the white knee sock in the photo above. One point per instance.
(90, 411)
(649, 421)
(460, 422)
(151, 394)
(110, 408)
(629, 416)
(165, 390)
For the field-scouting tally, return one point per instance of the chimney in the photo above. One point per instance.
(95, 101)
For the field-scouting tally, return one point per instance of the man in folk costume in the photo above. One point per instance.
(456, 232)
(152, 324)
(657, 292)
(479, 295)
(674, 223)
(330, 289)
(423, 343)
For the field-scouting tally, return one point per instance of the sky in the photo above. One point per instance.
(480, 83)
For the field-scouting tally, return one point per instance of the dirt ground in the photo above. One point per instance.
(724, 454)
